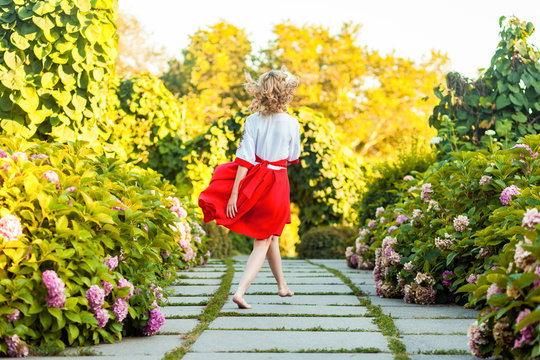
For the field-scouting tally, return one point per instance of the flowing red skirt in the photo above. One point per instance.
(263, 199)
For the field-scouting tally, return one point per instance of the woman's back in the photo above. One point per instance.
(271, 138)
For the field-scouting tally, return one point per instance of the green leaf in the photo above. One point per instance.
(467, 288)
(79, 102)
(19, 41)
(502, 101)
(92, 33)
(84, 5)
(48, 80)
(73, 332)
(533, 317)
(13, 79)
(29, 100)
(73, 316)
(13, 59)
(56, 312)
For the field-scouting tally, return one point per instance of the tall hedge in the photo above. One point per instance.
(505, 98)
(58, 59)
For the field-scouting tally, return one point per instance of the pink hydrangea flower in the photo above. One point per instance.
(446, 274)
(401, 219)
(95, 296)
(102, 316)
(107, 287)
(14, 316)
(52, 176)
(472, 279)
(492, 290)
(506, 195)
(71, 188)
(177, 208)
(3, 154)
(208, 253)
(408, 266)
(408, 178)
(10, 228)
(15, 348)
(526, 147)
(484, 180)
(123, 283)
(372, 224)
(155, 321)
(165, 254)
(392, 228)
(19, 155)
(531, 218)
(39, 157)
(526, 333)
(157, 291)
(111, 262)
(190, 254)
(120, 309)
(379, 211)
(145, 227)
(417, 214)
(55, 287)
(461, 223)
(426, 192)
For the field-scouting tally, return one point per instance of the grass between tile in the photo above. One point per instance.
(383, 321)
(243, 314)
(445, 352)
(211, 311)
(316, 328)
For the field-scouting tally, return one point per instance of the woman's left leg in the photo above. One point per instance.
(274, 260)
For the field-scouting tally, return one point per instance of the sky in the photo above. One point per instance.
(467, 31)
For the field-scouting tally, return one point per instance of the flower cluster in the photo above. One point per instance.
(52, 177)
(426, 192)
(14, 316)
(461, 223)
(448, 278)
(478, 337)
(379, 212)
(401, 219)
(492, 290)
(433, 204)
(111, 262)
(15, 348)
(421, 290)
(10, 228)
(102, 317)
(530, 219)
(484, 180)
(95, 296)
(506, 195)
(408, 178)
(177, 208)
(523, 259)
(120, 309)
(526, 147)
(123, 283)
(385, 258)
(526, 333)
(55, 287)
(417, 214)
(155, 321)
(107, 287)
(446, 243)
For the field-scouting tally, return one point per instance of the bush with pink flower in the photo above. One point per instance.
(71, 261)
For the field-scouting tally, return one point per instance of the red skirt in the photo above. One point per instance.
(263, 199)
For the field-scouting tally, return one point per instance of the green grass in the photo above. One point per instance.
(383, 321)
(369, 350)
(211, 311)
(445, 352)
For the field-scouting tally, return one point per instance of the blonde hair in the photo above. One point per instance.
(272, 92)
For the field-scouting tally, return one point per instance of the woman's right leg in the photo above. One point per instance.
(253, 265)
(274, 260)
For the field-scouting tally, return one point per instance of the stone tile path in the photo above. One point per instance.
(324, 320)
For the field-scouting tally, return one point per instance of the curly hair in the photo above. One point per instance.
(272, 92)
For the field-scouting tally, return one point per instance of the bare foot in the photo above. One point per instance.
(242, 304)
(285, 292)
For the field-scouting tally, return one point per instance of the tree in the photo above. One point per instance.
(135, 52)
(209, 79)
(376, 100)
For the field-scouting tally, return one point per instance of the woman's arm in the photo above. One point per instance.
(231, 206)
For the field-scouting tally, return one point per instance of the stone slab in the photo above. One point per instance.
(420, 343)
(377, 300)
(284, 322)
(240, 340)
(205, 275)
(170, 311)
(433, 311)
(193, 290)
(305, 289)
(426, 326)
(293, 280)
(288, 271)
(367, 289)
(295, 309)
(181, 300)
(207, 269)
(198, 282)
(285, 356)
(149, 347)
(442, 357)
(303, 299)
(178, 326)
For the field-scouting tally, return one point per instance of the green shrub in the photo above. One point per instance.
(55, 73)
(503, 99)
(380, 190)
(79, 211)
(326, 242)
(219, 242)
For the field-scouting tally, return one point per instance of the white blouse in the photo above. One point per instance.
(272, 138)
